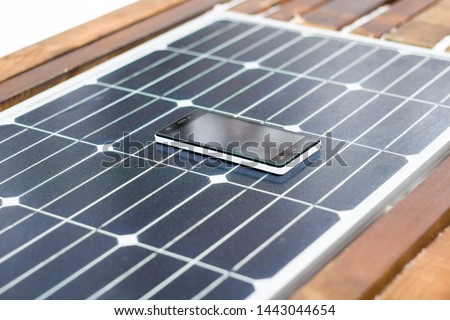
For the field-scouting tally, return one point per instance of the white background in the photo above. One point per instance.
(25, 22)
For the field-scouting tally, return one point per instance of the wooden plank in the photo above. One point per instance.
(255, 6)
(427, 276)
(63, 67)
(289, 10)
(34, 55)
(427, 29)
(365, 267)
(338, 13)
(399, 13)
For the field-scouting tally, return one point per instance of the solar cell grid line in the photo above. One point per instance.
(299, 76)
(261, 79)
(73, 214)
(200, 57)
(407, 100)
(81, 184)
(374, 97)
(149, 294)
(372, 62)
(12, 136)
(11, 226)
(399, 78)
(42, 264)
(119, 119)
(121, 213)
(94, 113)
(39, 161)
(160, 61)
(204, 292)
(55, 113)
(56, 175)
(51, 291)
(109, 286)
(229, 201)
(32, 143)
(355, 62)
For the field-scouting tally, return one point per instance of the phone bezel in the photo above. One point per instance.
(278, 161)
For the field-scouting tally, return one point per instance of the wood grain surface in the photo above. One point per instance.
(37, 54)
(427, 29)
(364, 268)
(400, 12)
(65, 66)
(255, 6)
(339, 13)
(427, 276)
(289, 10)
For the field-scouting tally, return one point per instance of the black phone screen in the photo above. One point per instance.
(240, 137)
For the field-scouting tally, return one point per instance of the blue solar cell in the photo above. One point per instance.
(436, 91)
(230, 289)
(202, 84)
(365, 181)
(158, 204)
(120, 128)
(326, 119)
(73, 112)
(120, 200)
(338, 63)
(267, 47)
(417, 79)
(188, 285)
(31, 156)
(311, 59)
(255, 93)
(287, 246)
(96, 277)
(66, 181)
(7, 131)
(223, 91)
(392, 72)
(11, 215)
(327, 177)
(251, 236)
(395, 124)
(96, 188)
(144, 279)
(16, 139)
(105, 117)
(61, 267)
(357, 72)
(214, 44)
(135, 67)
(308, 105)
(156, 72)
(291, 52)
(244, 43)
(423, 133)
(221, 223)
(360, 121)
(69, 100)
(45, 170)
(39, 249)
(281, 99)
(168, 84)
(196, 36)
(189, 214)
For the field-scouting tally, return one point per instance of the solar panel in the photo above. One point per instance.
(91, 208)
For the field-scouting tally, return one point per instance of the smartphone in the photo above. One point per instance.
(244, 142)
